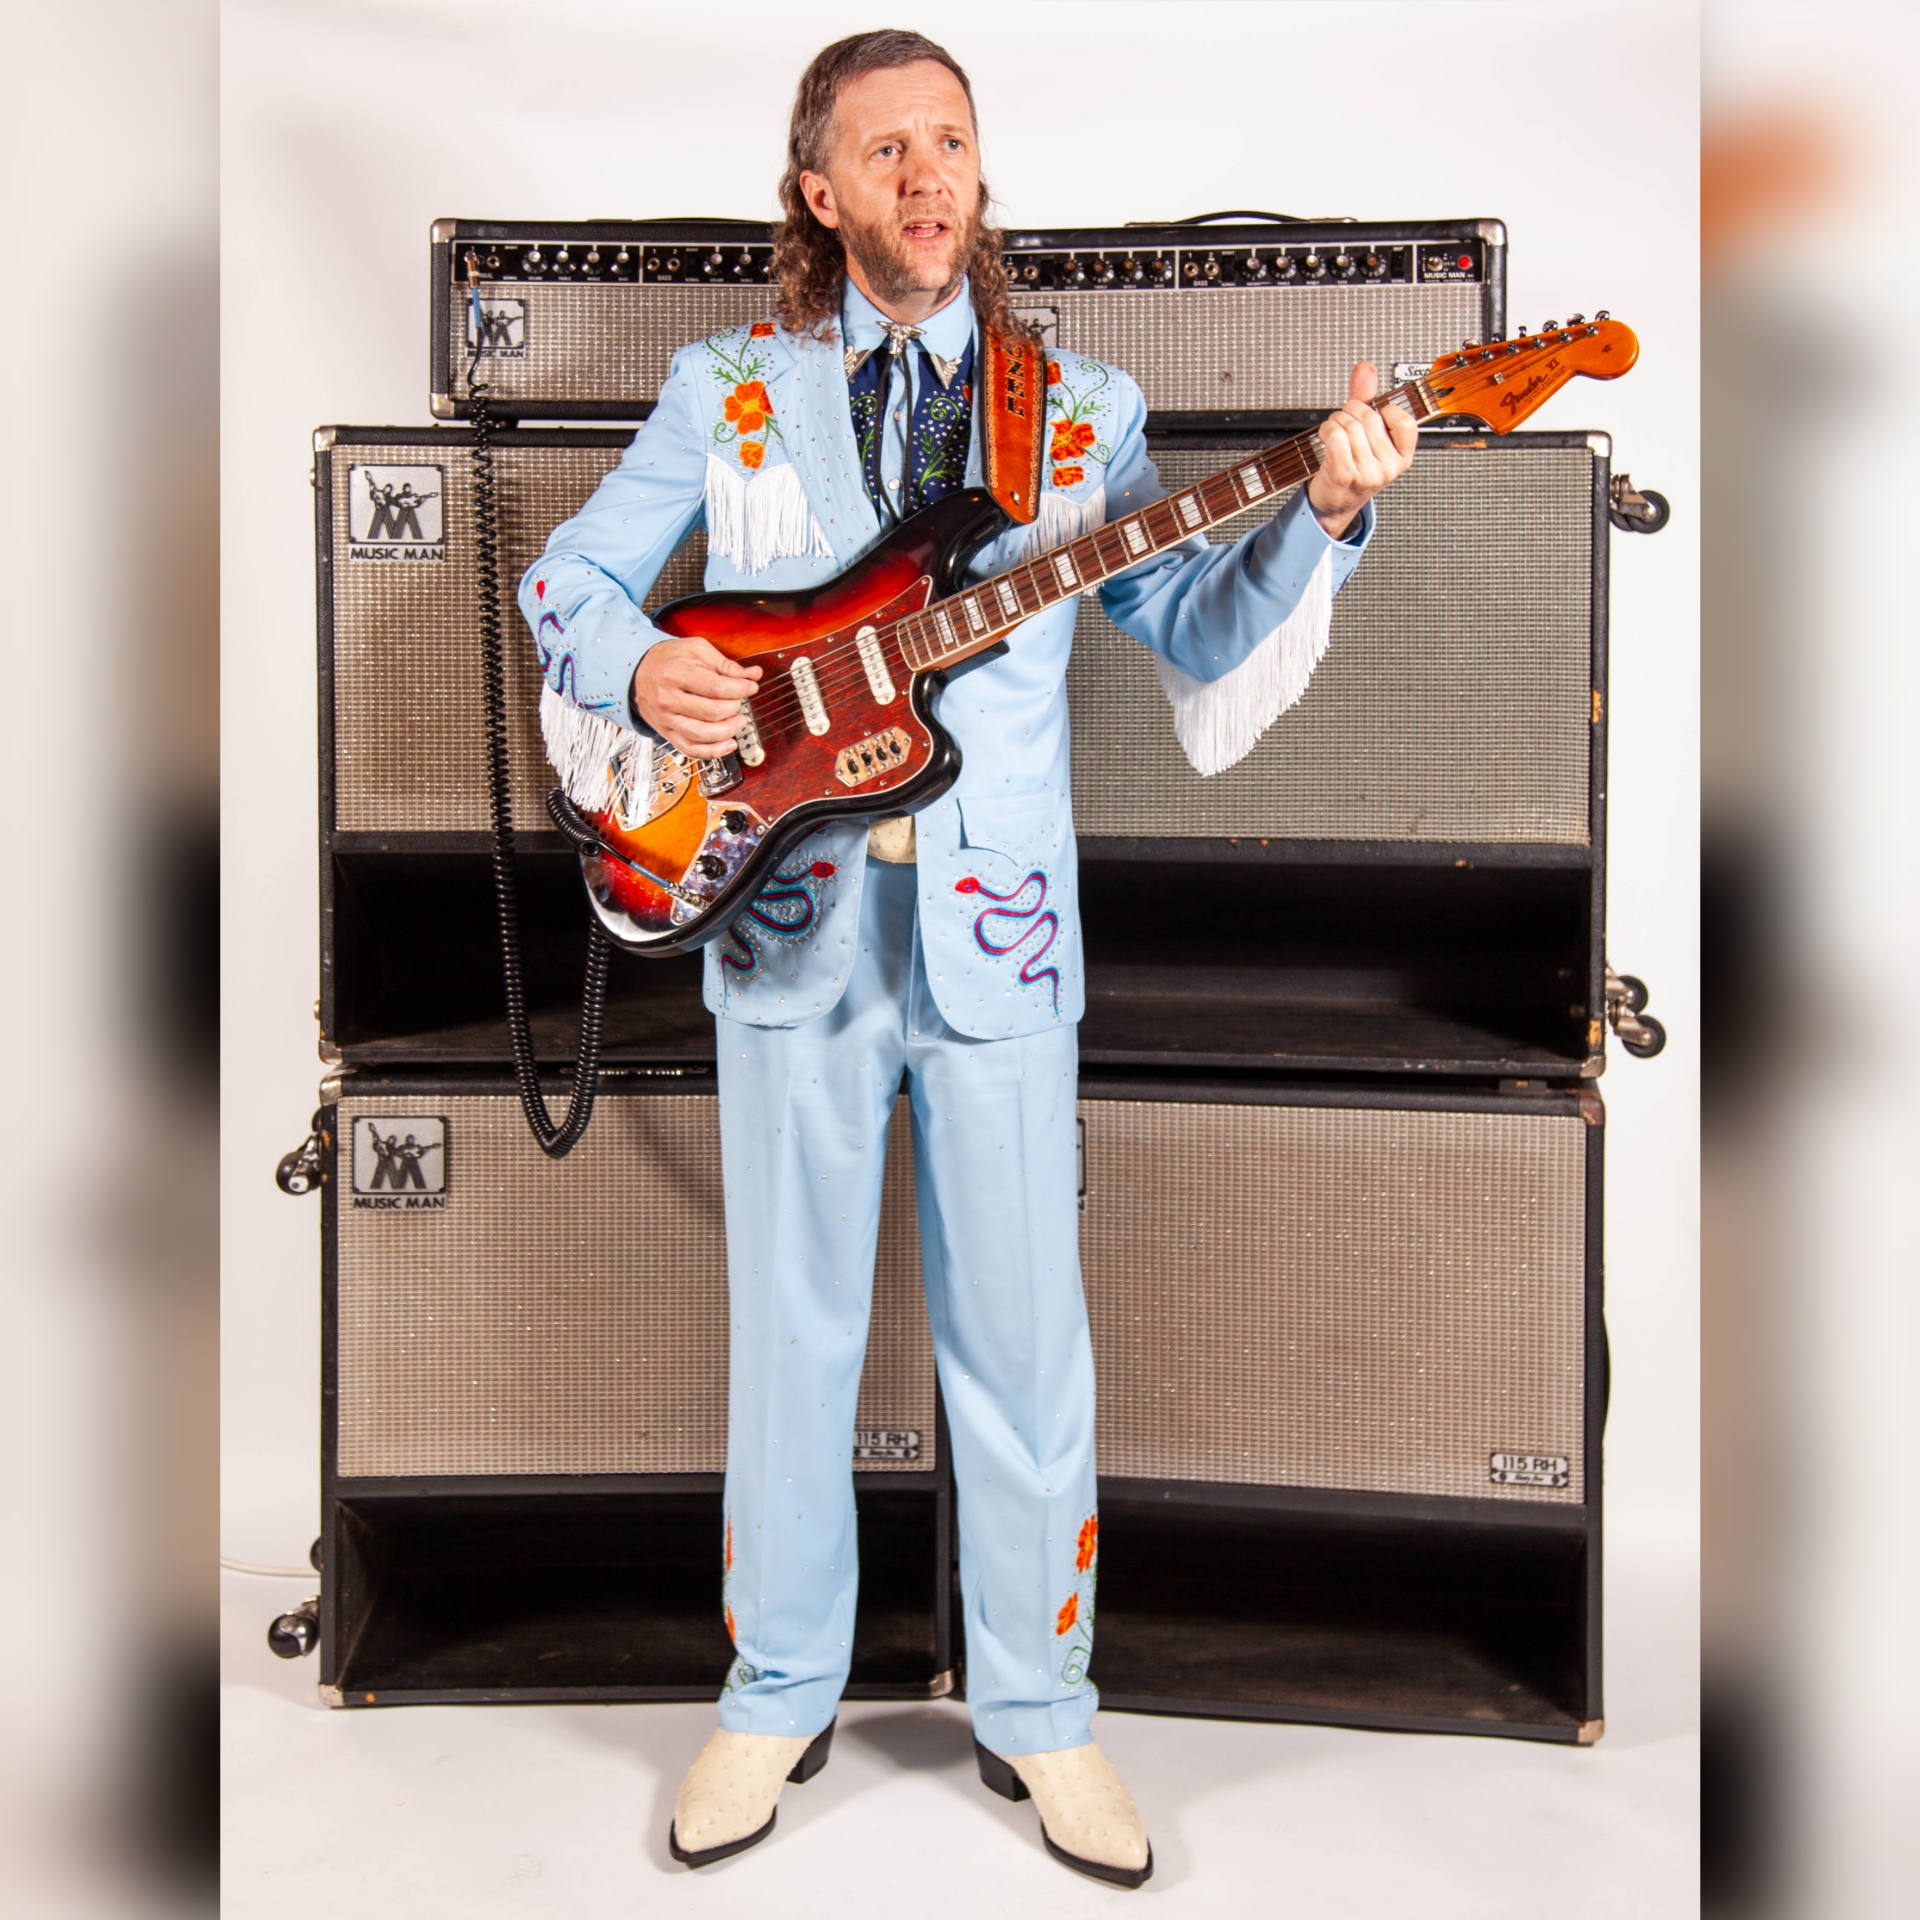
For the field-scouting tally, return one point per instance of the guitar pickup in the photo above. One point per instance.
(746, 736)
(879, 680)
(878, 754)
(806, 683)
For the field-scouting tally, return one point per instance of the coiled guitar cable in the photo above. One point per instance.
(556, 1139)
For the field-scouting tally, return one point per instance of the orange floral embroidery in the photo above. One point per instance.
(1089, 1543)
(1068, 1615)
(751, 453)
(1068, 476)
(1053, 373)
(760, 330)
(1071, 438)
(748, 407)
(731, 1635)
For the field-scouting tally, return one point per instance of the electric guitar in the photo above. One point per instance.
(842, 724)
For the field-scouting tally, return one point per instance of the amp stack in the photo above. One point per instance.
(1346, 1012)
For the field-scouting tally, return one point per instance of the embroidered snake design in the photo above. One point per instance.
(1031, 972)
(786, 907)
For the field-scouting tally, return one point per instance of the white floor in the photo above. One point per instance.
(425, 1812)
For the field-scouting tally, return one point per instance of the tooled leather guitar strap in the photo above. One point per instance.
(1013, 416)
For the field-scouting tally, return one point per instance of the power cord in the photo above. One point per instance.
(556, 1139)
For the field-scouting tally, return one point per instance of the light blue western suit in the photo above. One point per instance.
(961, 972)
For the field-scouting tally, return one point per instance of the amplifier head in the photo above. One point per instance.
(580, 320)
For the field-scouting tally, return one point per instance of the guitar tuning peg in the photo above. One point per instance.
(1576, 319)
(1520, 330)
(1550, 326)
(1601, 315)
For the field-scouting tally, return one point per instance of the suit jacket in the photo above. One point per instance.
(753, 433)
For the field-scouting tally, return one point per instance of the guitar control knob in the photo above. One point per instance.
(711, 866)
(734, 820)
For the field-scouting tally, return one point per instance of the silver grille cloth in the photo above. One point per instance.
(408, 708)
(571, 1316)
(1327, 1297)
(1294, 1296)
(1453, 702)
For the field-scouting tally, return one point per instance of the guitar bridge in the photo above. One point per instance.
(879, 753)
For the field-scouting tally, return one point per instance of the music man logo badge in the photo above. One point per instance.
(502, 333)
(400, 1163)
(396, 513)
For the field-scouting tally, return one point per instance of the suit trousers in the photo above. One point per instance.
(804, 1113)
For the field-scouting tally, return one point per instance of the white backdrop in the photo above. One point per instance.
(348, 127)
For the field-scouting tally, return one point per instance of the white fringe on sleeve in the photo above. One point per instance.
(755, 522)
(1219, 722)
(602, 765)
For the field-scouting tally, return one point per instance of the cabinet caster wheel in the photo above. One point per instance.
(1634, 990)
(295, 1635)
(1642, 1035)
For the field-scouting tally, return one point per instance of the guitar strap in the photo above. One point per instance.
(1013, 416)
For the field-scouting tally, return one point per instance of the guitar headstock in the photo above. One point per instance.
(1503, 381)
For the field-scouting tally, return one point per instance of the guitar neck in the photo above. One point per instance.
(967, 623)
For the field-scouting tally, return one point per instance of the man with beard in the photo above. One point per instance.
(941, 947)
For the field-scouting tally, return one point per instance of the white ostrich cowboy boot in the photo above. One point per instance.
(1087, 1816)
(727, 1801)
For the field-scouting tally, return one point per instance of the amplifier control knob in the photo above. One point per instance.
(1253, 268)
(1314, 265)
(1343, 263)
(1375, 264)
(530, 260)
(622, 258)
(593, 256)
(563, 258)
(1161, 270)
(1132, 270)
(1103, 272)
(1073, 272)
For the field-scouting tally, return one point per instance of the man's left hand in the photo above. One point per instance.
(1363, 450)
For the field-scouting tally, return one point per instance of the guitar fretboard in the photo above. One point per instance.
(953, 629)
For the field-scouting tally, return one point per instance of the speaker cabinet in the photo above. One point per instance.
(1405, 875)
(1351, 1379)
(525, 1393)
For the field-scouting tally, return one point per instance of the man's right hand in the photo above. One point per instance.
(689, 693)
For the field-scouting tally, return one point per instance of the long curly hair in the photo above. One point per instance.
(809, 260)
